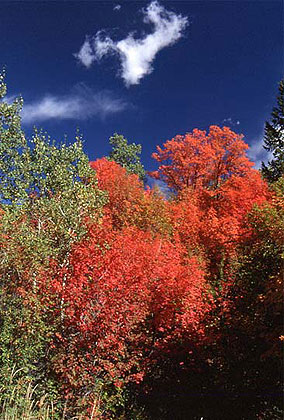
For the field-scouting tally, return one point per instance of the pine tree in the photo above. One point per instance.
(274, 140)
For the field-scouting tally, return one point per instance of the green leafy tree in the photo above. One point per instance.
(274, 140)
(48, 192)
(13, 146)
(127, 155)
(51, 184)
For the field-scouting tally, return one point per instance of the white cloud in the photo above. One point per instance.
(82, 103)
(103, 45)
(136, 54)
(258, 154)
(85, 55)
(117, 7)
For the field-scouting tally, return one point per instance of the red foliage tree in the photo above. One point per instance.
(200, 159)
(127, 297)
(124, 189)
(224, 210)
(128, 203)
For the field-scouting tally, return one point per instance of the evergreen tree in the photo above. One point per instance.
(274, 140)
(127, 155)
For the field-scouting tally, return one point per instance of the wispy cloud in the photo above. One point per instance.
(9, 99)
(117, 7)
(136, 54)
(82, 103)
(257, 153)
(86, 55)
(230, 121)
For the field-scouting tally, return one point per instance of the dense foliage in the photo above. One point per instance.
(127, 155)
(116, 302)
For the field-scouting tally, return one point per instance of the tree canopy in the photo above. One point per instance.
(201, 159)
(127, 155)
(112, 295)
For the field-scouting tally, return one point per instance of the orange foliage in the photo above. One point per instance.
(224, 210)
(128, 202)
(127, 297)
(124, 190)
(198, 159)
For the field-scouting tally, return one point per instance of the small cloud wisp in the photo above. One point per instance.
(258, 154)
(81, 104)
(136, 55)
(231, 121)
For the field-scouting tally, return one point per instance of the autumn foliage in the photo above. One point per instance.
(139, 286)
(127, 298)
(199, 159)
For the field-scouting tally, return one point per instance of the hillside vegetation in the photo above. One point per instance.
(118, 301)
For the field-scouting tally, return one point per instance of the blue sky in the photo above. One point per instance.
(147, 70)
